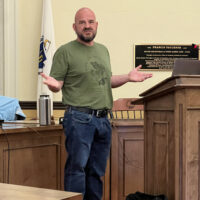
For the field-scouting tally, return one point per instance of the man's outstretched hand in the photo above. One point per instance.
(52, 83)
(133, 76)
(136, 76)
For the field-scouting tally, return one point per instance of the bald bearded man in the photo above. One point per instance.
(82, 70)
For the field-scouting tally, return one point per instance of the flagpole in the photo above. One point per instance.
(47, 49)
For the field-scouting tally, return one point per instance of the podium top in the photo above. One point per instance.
(168, 85)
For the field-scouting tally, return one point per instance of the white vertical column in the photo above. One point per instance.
(10, 83)
(1, 47)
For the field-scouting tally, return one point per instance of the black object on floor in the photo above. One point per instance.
(143, 196)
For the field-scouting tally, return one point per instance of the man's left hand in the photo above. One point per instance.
(136, 76)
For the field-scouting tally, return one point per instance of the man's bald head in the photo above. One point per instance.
(85, 26)
(83, 11)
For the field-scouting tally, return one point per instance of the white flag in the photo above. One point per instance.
(47, 49)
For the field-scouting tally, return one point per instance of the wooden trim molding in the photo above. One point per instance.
(122, 104)
(58, 105)
(31, 105)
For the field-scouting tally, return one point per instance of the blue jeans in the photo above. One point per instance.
(87, 142)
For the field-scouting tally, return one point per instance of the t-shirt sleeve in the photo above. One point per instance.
(60, 65)
(108, 54)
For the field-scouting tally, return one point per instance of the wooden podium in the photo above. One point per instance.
(172, 138)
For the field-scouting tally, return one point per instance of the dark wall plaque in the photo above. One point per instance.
(162, 57)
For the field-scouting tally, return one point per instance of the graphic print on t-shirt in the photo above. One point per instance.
(96, 67)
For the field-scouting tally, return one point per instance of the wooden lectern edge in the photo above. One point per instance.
(153, 95)
(145, 95)
(166, 80)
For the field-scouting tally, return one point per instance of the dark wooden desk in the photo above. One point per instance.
(16, 192)
(32, 155)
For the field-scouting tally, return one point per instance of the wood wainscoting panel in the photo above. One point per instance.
(133, 165)
(33, 166)
(127, 158)
(161, 156)
(192, 148)
(159, 161)
(33, 156)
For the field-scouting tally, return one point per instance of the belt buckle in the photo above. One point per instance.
(98, 113)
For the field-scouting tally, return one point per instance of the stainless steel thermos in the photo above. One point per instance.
(44, 110)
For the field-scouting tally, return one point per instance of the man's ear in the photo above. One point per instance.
(74, 26)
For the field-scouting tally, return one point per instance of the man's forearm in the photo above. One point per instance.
(119, 80)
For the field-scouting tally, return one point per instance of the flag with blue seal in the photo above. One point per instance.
(46, 51)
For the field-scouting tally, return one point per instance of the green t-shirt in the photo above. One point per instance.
(86, 73)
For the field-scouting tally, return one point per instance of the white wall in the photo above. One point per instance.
(122, 23)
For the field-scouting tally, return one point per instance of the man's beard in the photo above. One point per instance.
(86, 38)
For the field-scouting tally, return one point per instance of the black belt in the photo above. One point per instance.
(97, 113)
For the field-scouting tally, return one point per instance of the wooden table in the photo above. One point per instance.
(17, 192)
